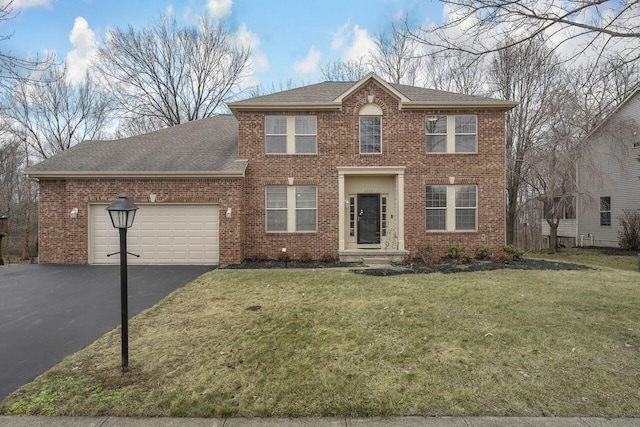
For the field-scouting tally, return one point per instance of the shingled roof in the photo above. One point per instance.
(206, 147)
(329, 95)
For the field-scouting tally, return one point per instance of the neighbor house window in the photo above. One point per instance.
(291, 208)
(451, 208)
(290, 134)
(370, 134)
(452, 134)
(605, 210)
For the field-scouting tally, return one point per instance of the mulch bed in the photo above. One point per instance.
(448, 267)
(416, 267)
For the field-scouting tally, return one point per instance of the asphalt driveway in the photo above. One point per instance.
(50, 311)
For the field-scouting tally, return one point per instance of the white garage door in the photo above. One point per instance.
(161, 234)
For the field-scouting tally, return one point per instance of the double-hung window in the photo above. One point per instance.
(451, 208)
(291, 208)
(605, 211)
(452, 134)
(370, 134)
(290, 134)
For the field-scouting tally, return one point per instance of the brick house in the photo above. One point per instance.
(351, 169)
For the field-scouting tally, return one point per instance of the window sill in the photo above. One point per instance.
(451, 232)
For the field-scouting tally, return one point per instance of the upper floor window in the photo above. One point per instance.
(370, 140)
(290, 134)
(451, 207)
(605, 211)
(291, 208)
(452, 134)
(370, 129)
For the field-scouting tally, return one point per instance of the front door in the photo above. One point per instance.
(368, 219)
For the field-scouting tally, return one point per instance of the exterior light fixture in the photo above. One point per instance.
(122, 212)
(74, 213)
(228, 212)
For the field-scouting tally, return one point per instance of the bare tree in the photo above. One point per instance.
(486, 26)
(529, 74)
(455, 71)
(11, 67)
(166, 75)
(349, 71)
(51, 115)
(397, 57)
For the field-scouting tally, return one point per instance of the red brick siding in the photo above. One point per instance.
(65, 240)
(403, 144)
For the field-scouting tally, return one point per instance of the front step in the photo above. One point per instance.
(372, 256)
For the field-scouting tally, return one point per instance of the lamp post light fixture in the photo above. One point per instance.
(122, 212)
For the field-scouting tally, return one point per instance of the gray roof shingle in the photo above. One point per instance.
(208, 145)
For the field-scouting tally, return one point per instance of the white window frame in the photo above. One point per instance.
(451, 134)
(291, 134)
(360, 134)
(291, 209)
(452, 208)
(604, 211)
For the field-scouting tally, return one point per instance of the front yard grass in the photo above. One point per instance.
(592, 257)
(501, 343)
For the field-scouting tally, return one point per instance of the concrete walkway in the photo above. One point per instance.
(316, 422)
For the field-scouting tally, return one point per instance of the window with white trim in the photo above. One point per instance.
(370, 135)
(291, 134)
(452, 134)
(605, 211)
(451, 208)
(291, 208)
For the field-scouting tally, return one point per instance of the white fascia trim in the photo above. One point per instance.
(125, 174)
(371, 170)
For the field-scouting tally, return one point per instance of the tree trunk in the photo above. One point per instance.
(512, 218)
(553, 238)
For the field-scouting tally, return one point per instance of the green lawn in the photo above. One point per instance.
(503, 343)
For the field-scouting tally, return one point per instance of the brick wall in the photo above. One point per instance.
(65, 240)
(403, 144)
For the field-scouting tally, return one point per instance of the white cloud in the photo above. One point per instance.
(309, 64)
(247, 38)
(219, 9)
(24, 4)
(361, 45)
(85, 49)
(339, 38)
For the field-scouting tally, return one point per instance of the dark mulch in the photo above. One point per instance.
(251, 264)
(447, 267)
(417, 267)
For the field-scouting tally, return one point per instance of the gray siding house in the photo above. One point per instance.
(608, 176)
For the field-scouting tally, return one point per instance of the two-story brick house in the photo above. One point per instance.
(344, 168)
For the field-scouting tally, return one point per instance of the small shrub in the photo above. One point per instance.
(516, 254)
(503, 258)
(283, 257)
(260, 257)
(483, 253)
(428, 256)
(305, 257)
(327, 257)
(629, 234)
(455, 252)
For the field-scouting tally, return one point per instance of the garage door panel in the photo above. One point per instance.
(161, 234)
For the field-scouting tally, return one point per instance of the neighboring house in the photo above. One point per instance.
(608, 175)
(567, 227)
(349, 169)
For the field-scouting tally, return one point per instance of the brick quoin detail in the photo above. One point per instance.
(403, 144)
(65, 240)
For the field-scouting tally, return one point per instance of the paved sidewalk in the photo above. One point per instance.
(316, 422)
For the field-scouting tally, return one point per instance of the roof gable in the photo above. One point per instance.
(372, 76)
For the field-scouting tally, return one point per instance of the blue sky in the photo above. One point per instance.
(288, 37)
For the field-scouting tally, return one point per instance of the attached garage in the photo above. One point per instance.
(161, 234)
